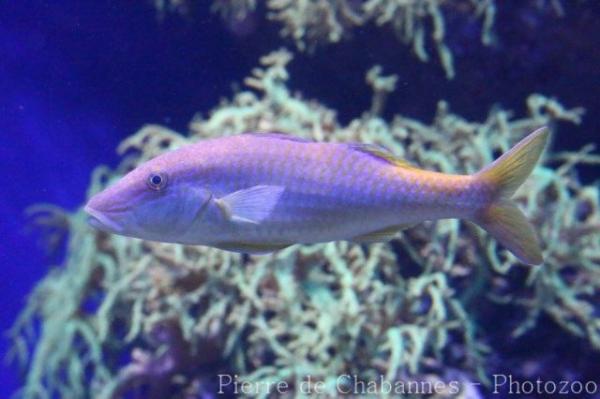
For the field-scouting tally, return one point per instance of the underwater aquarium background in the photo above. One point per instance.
(76, 78)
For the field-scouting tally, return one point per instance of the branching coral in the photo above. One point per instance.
(233, 10)
(312, 23)
(410, 19)
(419, 24)
(568, 287)
(123, 315)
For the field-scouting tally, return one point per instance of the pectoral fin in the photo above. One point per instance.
(251, 205)
(382, 235)
(251, 248)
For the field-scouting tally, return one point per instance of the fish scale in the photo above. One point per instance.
(315, 174)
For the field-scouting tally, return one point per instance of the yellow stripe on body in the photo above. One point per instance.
(440, 189)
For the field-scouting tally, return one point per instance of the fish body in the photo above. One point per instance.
(260, 192)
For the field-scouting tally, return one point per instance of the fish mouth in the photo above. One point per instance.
(101, 221)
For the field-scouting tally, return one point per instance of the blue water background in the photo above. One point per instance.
(78, 77)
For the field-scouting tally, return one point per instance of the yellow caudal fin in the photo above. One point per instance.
(509, 171)
(507, 224)
(502, 219)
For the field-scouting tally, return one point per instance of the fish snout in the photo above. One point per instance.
(102, 214)
(101, 221)
(111, 200)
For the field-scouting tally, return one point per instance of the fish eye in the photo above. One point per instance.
(157, 181)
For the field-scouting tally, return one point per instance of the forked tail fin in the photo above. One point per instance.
(502, 219)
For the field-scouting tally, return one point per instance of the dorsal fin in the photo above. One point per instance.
(279, 136)
(382, 154)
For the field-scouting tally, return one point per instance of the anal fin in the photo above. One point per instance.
(386, 234)
(251, 248)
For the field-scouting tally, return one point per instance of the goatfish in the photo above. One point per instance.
(260, 192)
